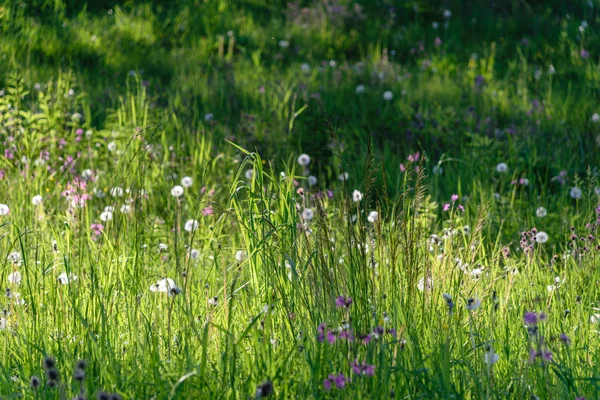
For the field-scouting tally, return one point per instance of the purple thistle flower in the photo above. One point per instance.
(584, 54)
(339, 380)
(342, 301)
(530, 318)
(532, 355)
(330, 337)
(367, 339)
(547, 355)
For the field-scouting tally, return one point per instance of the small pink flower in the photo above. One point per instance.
(446, 207)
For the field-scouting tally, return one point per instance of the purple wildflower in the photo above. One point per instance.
(331, 337)
(342, 301)
(454, 197)
(530, 318)
(446, 207)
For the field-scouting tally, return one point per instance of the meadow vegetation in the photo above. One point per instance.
(299, 199)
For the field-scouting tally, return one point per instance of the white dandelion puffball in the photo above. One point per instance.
(240, 255)
(305, 67)
(373, 217)
(284, 44)
(194, 254)
(15, 278)
(575, 192)
(312, 180)
(177, 191)
(308, 214)
(65, 278)
(186, 181)
(304, 160)
(106, 216)
(191, 225)
(112, 147)
(116, 192)
(541, 212)
(595, 117)
(37, 200)
(4, 210)
(165, 285)
(388, 95)
(502, 168)
(360, 89)
(357, 196)
(490, 358)
(447, 13)
(87, 174)
(541, 237)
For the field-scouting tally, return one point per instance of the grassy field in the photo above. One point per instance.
(310, 199)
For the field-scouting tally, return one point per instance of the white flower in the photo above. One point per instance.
(125, 209)
(308, 214)
(284, 44)
(186, 181)
(116, 192)
(249, 173)
(357, 196)
(473, 304)
(360, 88)
(343, 176)
(177, 191)
(541, 237)
(595, 117)
(595, 318)
(66, 279)
(15, 278)
(388, 95)
(194, 254)
(502, 168)
(191, 225)
(575, 192)
(312, 180)
(112, 146)
(551, 69)
(86, 173)
(240, 255)
(490, 357)
(2, 324)
(37, 200)
(106, 216)
(435, 25)
(541, 212)
(109, 209)
(304, 160)
(305, 67)
(162, 247)
(437, 170)
(213, 301)
(4, 210)
(447, 13)
(373, 217)
(165, 285)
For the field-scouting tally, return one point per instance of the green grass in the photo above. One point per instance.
(107, 106)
